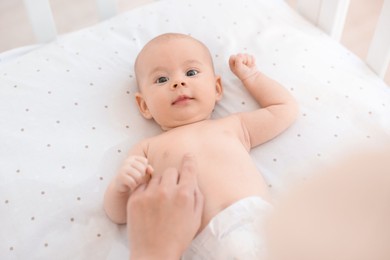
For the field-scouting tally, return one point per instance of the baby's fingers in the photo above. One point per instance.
(130, 182)
(241, 58)
(251, 61)
(138, 163)
(137, 166)
(149, 169)
(246, 59)
(125, 183)
(232, 59)
(141, 159)
(235, 63)
(136, 159)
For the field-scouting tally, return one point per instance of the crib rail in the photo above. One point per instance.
(42, 22)
(106, 8)
(379, 53)
(41, 19)
(328, 15)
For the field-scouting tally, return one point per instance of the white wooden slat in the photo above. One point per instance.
(106, 8)
(328, 15)
(379, 52)
(309, 9)
(41, 19)
(332, 17)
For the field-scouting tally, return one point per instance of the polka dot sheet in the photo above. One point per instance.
(68, 116)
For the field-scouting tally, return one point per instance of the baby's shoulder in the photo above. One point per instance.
(142, 146)
(232, 120)
(234, 125)
(147, 142)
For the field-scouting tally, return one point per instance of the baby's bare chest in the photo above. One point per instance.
(225, 170)
(210, 144)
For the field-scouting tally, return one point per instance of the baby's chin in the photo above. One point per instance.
(184, 122)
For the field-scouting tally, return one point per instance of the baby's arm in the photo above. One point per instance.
(130, 175)
(278, 108)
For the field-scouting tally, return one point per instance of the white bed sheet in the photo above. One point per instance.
(68, 117)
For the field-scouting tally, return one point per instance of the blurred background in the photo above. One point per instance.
(70, 15)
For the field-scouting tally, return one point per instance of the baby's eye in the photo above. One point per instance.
(191, 73)
(162, 80)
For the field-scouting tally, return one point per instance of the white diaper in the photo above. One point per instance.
(234, 233)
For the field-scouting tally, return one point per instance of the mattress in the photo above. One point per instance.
(68, 115)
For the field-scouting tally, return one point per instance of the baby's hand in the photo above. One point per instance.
(132, 173)
(243, 66)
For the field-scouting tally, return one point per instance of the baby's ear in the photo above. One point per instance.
(142, 106)
(218, 88)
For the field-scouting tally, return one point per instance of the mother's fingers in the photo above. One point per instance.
(199, 202)
(186, 175)
(154, 181)
(169, 178)
(188, 170)
(138, 190)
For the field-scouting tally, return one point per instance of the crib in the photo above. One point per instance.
(68, 116)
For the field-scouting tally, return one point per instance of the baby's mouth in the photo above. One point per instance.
(182, 99)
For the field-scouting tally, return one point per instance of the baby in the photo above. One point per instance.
(178, 88)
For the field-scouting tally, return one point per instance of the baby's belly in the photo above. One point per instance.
(224, 176)
(226, 183)
(226, 171)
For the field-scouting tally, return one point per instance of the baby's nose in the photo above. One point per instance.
(179, 84)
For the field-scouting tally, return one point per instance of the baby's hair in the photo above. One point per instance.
(169, 36)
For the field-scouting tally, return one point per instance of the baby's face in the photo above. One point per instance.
(177, 82)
